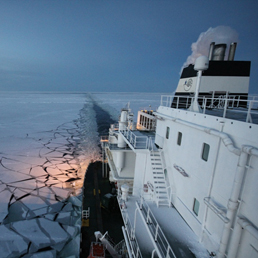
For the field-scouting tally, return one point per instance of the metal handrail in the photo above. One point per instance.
(139, 142)
(133, 241)
(228, 104)
(156, 231)
(155, 228)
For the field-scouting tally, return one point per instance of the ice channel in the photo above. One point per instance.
(44, 152)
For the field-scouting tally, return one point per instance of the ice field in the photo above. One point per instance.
(47, 141)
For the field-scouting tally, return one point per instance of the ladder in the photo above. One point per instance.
(160, 186)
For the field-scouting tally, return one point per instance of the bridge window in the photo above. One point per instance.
(205, 151)
(167, 132)
(179, 138)
(196, 207)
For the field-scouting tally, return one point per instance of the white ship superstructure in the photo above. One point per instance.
(186, 176)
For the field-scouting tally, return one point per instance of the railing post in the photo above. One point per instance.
(212, 99)
(169, 195)
(148, 216)
(167, 255)
(249, 117)
(153, 252)
(156, 233)
(137, 251)
(238, 101)
(233, 101)
(141, 203)
(204, 108)
(177, 102)
(134, 226)
(225, 108)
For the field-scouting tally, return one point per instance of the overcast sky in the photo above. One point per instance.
(125, 45)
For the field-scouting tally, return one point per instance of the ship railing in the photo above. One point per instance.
(153, 226)
(155, 230)
(138, 142)
(160, 239)
(146, 126)
(135, 140)
(166, 100)
(134, 246)
(121, 249)
(237, 107)
(143, 193)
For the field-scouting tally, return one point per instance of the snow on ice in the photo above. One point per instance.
(47, 141)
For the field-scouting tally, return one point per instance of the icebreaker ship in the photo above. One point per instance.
(187, 173)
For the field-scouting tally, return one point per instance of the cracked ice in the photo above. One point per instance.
(47, 142)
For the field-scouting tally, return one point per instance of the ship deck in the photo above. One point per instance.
(95, 186)
(180, 237)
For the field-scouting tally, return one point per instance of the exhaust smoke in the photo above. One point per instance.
(220, 35)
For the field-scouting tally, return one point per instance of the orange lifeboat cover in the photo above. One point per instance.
(97, 251)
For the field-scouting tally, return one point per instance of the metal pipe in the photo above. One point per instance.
(248, 226)
(234, 243)
(238, 230)
(232, 51)
(233, 203)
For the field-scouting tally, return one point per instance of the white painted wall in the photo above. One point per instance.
(128, 164)
(199, 184)
(140, 171)
(216, 83)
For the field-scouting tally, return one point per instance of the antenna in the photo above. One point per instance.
(201, 64)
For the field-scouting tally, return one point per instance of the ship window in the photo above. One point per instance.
(179, 138)
(205, 151)
(196, 206)
(167, 132)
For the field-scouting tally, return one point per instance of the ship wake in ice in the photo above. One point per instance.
(47, 143)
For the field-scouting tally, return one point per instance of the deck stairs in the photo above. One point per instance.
(160, 186)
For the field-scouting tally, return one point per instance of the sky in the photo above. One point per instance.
(113, 46)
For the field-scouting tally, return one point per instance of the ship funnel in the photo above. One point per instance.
(219, 52)
(211, 50)
(232, 51)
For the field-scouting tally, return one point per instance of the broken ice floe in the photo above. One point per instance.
(42, 172)
(39, 210)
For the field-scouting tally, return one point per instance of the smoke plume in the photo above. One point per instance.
(220, 34)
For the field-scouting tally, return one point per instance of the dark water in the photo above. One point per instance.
(100, 219)
(103, 119)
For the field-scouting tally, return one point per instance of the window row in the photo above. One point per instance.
(205, 147)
